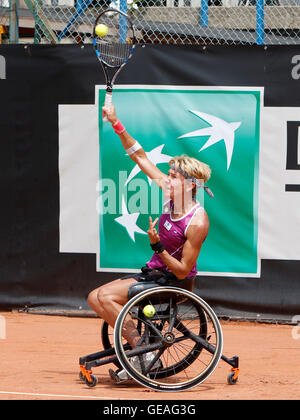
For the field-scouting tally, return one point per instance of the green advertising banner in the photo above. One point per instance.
(219, 126)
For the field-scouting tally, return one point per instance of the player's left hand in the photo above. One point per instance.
(152, 232)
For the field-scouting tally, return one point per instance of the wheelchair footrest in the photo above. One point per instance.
(113, 358)
(100, 362)
(99, 355)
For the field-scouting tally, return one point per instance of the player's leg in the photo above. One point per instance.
(108, 300)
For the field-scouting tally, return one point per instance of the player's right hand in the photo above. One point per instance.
(110, 114)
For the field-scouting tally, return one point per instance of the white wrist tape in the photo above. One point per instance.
(133, 148)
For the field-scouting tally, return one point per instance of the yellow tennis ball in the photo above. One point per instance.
(149, 311)
(101, 29)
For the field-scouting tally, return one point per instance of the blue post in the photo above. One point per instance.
(14, 22)
(79, 5)
(80, 8)
(123, 23)
(204, 13)
(260, 22)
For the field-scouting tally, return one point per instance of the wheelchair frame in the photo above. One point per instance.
(122, 353)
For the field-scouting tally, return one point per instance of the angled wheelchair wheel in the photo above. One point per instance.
(180, 345)
(107, 339)
(106, 335)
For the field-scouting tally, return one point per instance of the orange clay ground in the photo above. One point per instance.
(39, 361)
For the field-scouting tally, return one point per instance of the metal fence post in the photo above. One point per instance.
(14, 22)
(204, 13)
(123, 23)
(260, 22)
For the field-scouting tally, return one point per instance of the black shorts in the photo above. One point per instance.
(161, 278)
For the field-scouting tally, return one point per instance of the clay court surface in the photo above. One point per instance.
(39, 361)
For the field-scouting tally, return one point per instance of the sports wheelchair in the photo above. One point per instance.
(184, 337)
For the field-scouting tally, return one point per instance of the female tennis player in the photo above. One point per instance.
(183, 227)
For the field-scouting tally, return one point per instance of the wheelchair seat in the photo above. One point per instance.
(136, 288)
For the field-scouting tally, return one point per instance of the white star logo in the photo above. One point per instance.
(129, 221)
(156, 157)
(219, 130)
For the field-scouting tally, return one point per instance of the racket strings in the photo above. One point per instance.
(114, 54)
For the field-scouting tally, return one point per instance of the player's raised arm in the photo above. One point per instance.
(134, 149)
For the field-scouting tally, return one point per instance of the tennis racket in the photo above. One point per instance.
(115, 48)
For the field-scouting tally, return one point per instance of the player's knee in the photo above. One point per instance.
(104, 296)
(92, 298)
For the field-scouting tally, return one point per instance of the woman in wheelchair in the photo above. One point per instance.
(183, 227)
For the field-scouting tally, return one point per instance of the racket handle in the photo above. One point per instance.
(107, 103)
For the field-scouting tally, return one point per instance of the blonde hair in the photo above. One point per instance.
(192, 167)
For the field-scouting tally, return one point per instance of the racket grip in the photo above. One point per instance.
(107, 103)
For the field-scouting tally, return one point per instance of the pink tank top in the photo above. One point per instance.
(172, 233)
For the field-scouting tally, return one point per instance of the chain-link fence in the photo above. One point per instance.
(203, 22)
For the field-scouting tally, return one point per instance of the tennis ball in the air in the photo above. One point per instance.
(149, 311)
(101, 29)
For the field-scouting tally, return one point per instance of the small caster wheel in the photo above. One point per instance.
(81, 376)
(93, 382)
(232, 378)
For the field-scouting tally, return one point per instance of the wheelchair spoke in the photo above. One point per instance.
(156, 358)
(173, 318)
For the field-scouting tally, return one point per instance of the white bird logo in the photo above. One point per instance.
(155, 156)
(218, 130)
(129, 220)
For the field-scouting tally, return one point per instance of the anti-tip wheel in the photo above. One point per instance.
(232, 378)
(81, 376)
(93, 382)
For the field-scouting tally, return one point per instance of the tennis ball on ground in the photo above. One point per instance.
(149, 311)
(101, 29)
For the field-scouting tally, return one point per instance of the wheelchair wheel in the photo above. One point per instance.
(181, 343)
(107, 338)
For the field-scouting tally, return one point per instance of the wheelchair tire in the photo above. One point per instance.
(107, 340)
(93, 382)
(193, 331)
(105, 337)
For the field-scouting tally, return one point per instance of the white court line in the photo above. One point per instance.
(61, 396)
